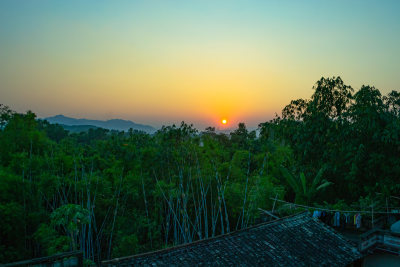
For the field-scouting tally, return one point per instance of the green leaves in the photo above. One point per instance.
(180, 185)
(70, 216)
(303, 182)
(331, 97)
(305, 189)
(51, 241)
(292, 181)
(323, 185)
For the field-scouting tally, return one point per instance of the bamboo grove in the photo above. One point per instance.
(113, 194)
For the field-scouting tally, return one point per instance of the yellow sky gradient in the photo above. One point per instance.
(163, 63)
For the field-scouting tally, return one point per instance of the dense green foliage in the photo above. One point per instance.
(114, 194)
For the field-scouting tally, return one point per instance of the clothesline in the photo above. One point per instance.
(332, 210)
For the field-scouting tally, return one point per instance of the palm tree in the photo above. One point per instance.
(305, 190)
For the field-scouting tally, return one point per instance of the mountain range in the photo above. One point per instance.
(114, 124)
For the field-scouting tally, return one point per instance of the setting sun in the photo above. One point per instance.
(224, 121)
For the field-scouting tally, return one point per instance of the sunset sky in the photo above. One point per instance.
(161, 62)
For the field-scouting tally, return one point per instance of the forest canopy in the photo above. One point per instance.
(113, 194)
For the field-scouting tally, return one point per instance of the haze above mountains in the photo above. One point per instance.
(85, 124)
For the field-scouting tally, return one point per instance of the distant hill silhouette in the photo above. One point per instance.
(114, 124)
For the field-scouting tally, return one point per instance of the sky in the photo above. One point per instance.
(161, 62)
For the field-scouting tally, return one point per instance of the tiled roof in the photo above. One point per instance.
(298, 240)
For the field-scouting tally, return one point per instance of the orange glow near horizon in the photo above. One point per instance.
(160, 63)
